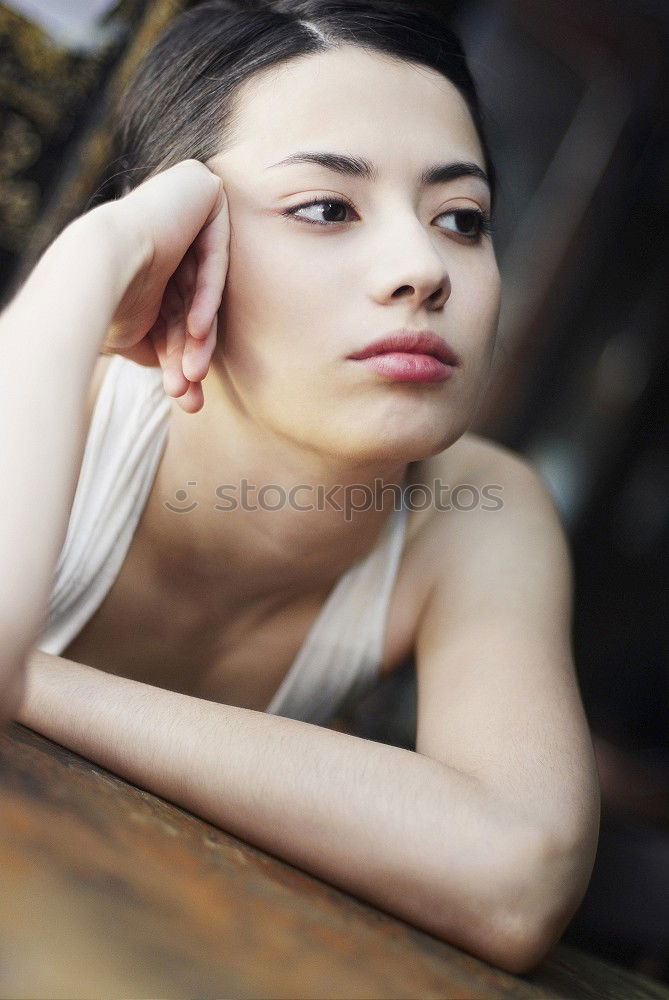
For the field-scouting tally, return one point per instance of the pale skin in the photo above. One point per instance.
(489, 828)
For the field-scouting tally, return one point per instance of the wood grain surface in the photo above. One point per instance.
(109, 891)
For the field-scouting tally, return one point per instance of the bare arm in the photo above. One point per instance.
(100, 285)
(497, 691)
(484, 837)
(407, 833)
(50, 336)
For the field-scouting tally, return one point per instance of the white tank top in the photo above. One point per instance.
(341, 654)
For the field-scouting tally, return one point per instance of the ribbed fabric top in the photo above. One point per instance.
(341, 654)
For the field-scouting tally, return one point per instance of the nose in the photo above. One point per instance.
(411, 268)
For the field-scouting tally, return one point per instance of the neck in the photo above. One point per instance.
(269, 514)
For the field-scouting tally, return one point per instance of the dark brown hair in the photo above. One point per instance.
(180, 103)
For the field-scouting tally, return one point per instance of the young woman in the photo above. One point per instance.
(272, 348)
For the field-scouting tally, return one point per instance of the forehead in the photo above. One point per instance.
(352, 98)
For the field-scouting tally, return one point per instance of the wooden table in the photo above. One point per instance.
(110, 892)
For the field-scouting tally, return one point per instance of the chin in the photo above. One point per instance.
(396, 451)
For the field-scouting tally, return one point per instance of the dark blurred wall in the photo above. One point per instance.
(584, 248)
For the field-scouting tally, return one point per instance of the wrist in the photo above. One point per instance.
(85, 272)
(121, 249)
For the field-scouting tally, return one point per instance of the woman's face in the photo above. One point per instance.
(309, 286)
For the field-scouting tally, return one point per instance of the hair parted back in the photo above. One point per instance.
(180, 103)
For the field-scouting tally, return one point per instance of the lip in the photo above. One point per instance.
(408, 341)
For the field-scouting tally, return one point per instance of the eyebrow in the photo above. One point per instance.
(354, 166)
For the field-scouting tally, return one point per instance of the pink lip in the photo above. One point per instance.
(406, 341)
(409, 356)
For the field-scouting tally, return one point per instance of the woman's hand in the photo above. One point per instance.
(142, 276)
(168, 313)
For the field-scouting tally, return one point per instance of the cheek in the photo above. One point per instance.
(254, 267)
(271, 277)
(479, 301)
(490, 303)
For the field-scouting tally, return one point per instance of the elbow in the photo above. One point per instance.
(521, 938)
(534, 900)
(552, 887)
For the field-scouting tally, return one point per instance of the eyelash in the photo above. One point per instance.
(484, 227)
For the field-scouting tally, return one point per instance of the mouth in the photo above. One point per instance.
(423, 342)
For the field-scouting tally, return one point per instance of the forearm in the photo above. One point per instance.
(50, 336)
(398, 829)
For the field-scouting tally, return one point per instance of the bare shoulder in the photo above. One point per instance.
(493, 503)
(480, 461)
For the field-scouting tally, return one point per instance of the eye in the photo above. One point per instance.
(471, 223)
(331, 210)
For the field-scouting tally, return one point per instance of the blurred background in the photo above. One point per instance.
(575, 93)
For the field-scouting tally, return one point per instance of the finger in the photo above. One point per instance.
(193, 398)
(198, 354)
(158, 337)
(172, 311)
(211, 248)
(185, 278)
